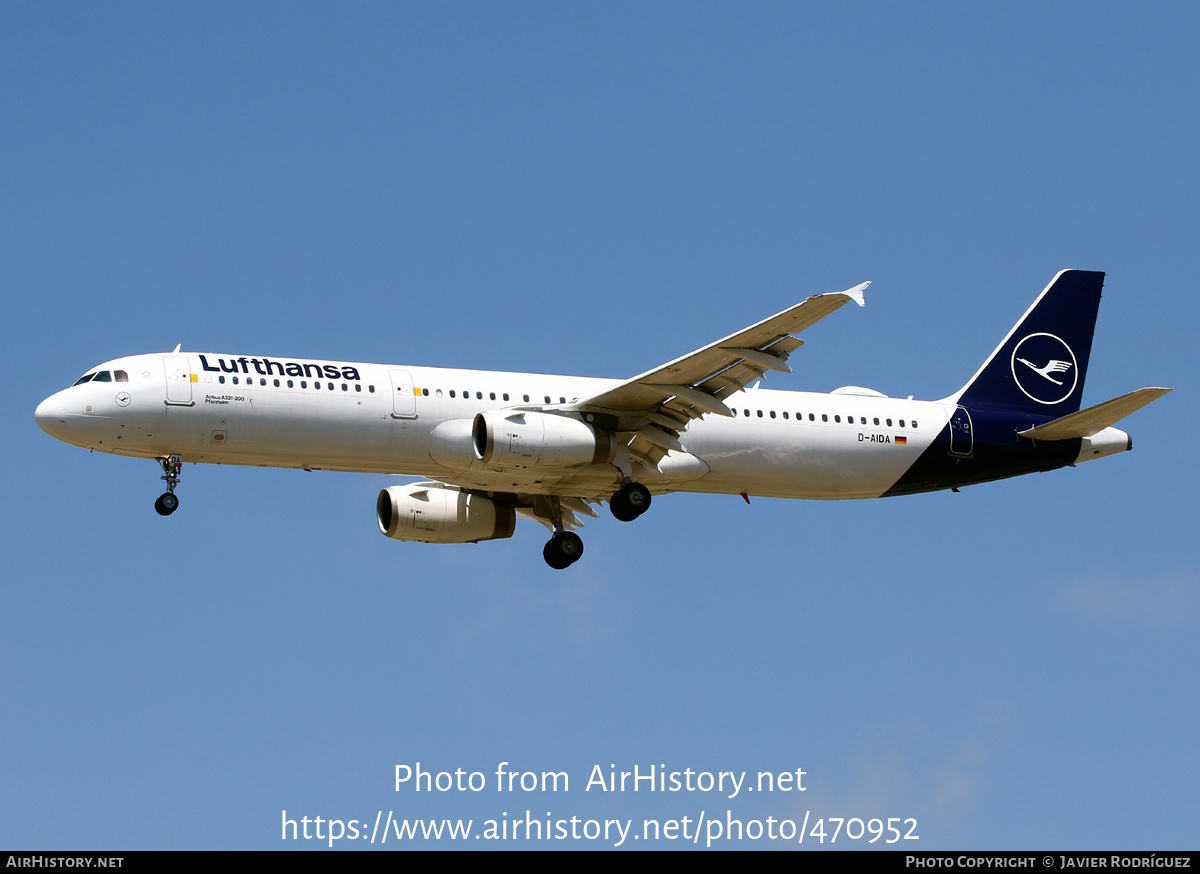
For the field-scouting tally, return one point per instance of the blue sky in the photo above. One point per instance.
(595, 189)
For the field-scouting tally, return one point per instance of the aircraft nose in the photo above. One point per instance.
(51, 416)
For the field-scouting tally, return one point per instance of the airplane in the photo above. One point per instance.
(492, 446)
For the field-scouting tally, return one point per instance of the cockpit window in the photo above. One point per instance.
(120, 376)
(87, 377)
(103, 376)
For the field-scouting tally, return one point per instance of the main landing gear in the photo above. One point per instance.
(563, 550)
(565, 547)
(630, 501)
(167, 503)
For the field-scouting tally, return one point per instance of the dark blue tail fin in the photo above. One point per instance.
(1040, 366)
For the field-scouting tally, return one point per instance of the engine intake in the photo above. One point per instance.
(526, 439)
(430, 513)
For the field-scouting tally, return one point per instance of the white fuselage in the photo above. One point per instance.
(303, 413)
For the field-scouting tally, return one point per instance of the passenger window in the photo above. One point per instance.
(491, 396)
(901, 423)
(424, 391)
(837, 419)
(785, 414)
(876, 420)
(358, 386)
(760, 414)
(87, 377)
(812, 417)
(746, 412)
(772, 414)
(506, 395)
(371, 389)
(221, 379)
(262, 381)
(526, 397)
(276, 383)
(291, 384)
(304, 383)
(451, 392)
(347, 388)
(235, 381)
(121, 375)
(824, 417)
(478, 395)
(914, 424)
(562, 400)
(889, 422)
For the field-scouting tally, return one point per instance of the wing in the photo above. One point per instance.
(659, 404)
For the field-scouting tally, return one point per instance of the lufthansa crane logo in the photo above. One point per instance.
(1045, 368)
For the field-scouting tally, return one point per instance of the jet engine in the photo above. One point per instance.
(433, 513)
(513, 438)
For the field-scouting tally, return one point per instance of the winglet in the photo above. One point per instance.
(856, 294)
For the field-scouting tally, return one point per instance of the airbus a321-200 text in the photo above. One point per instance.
(492, 446)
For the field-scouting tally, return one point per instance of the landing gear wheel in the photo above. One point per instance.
(167, 503)
(562, 550)
(630, 501)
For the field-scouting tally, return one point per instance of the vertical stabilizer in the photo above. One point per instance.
(1040, 366)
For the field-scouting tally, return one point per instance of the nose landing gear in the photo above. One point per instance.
(167, 503)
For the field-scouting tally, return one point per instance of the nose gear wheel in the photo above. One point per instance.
(167, 502)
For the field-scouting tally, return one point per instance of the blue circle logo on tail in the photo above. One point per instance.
(1045, 368)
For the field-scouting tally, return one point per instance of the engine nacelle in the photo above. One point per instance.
(513, 438)
(431, 513)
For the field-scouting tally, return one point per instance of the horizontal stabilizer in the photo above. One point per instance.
(1093, 420)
